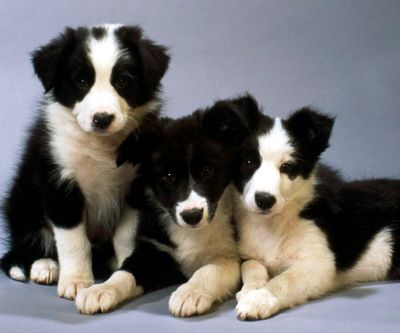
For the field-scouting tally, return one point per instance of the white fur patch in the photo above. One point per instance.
(17, 274)
(106, 296)
(194, 201)
(74, 256)
(44, 271)
(102, 97)
(275, 149)
(197, 247)
(125, 233)
(189, 300)
(256, 304)
(85, 159)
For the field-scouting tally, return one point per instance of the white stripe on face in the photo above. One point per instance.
(193, 202)
(102, 97)
(274, 149)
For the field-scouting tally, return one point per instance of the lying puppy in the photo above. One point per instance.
(185, 228)
(99, 83)
(304, 232)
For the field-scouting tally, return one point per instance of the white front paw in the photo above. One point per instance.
(98, 298)
(189, 300)
(256, 304)
(244, 291)
(44, 271)
(68, 286)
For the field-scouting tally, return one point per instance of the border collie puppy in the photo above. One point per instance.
(185, 228)
(99, 83)
(303, 231)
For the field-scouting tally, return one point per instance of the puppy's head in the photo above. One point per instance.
(186, 164)
(106, 76)
(278, 161)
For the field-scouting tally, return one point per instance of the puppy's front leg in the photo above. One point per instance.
(124, 237)
(74, 256)
(300, 282)
(254, 276)
(210, 283)
(106, 296)
(147, 268)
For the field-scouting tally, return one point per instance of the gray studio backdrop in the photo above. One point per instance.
(342, 56)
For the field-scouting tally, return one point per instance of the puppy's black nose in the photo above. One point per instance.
(192, 216)
(102, 120)
(264, 200)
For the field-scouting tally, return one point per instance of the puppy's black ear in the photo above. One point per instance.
(154, 58)
(141, 142)
(311, 128)
(155, 61)
(47, 58)
(229, 121)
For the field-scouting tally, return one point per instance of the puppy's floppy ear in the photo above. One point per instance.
(155, 61)
(312, 128)
(47, 58)
(141, 142)
(154, 58)
(229, 121)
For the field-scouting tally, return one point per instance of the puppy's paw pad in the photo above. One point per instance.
(189, 301)
(256, 304)
(44, 271)
(69, 287)
(97, 298)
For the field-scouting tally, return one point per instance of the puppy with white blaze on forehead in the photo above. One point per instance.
(303, 231)
(68, 195)
(183, 196)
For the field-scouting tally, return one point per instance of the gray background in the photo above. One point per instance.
(340, 56)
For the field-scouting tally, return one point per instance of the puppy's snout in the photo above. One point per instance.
(102, 120)
(264, 200)
(192, 216)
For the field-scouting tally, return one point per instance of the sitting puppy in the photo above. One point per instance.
(99, 84)
(304, 232)
(185, 228)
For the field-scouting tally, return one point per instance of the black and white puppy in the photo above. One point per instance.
(303, 231)
(99, 83)
(185, 228)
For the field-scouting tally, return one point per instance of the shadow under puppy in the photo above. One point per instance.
(303, 231)
(182, 195)
(67, 194)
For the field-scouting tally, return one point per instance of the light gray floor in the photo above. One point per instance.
(33, 308)
(342, 56)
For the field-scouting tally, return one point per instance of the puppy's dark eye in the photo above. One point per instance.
(121, 82)
(169, 178)
(82, 83)
(207, 172)
(287, 168)
(249, 163)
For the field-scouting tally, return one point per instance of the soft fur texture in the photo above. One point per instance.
(183, 197)
(99, 83)
(303, 231)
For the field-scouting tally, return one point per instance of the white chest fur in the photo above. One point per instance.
(89, 160)
(279, 242)
(197, 247)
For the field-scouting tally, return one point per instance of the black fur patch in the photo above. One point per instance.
(352, 213)
(98, 32)
(145, 67)
(309, 131)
